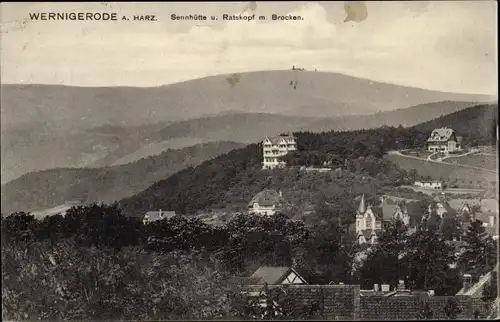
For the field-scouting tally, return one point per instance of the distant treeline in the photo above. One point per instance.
(477, 126)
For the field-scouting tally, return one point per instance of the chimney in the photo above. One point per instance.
(375, 288)
(467, 282)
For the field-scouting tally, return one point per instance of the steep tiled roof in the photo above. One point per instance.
(271, 274)
(440, 135)
(414, 210)
(277, 138)
(485, 216)
(368, 233)
(389, 208)
(335, 302)
(378, 212)
(489, 205)
(268, 198)
(458, 204)
(411, 307)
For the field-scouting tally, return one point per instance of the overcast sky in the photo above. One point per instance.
(446, 46)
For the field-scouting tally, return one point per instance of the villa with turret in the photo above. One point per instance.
(371, 220)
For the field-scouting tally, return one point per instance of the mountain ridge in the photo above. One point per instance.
(109, 144)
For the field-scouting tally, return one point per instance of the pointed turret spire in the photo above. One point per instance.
(362, 207)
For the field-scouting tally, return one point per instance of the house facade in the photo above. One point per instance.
(276, 275)
(371, 220)
(275, 147)
(436, 185)
(267, 203)
(151, 216)
(443, 140)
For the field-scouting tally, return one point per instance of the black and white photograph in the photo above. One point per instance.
(251, 160)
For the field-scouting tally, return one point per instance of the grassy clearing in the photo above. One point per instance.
(481, 161)
(451, 175)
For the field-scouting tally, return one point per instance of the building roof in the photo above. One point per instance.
(378, 212)
(268, 198)
(277, 138)
(443, 207)
(414, 210)
(440, 135)
(368, 233)
(158, 215)
(489, 205)
(271, 275)
(485, 218)
(332, 302)
(362, 205)
(402, 307)
(458, 204)
(389, 208)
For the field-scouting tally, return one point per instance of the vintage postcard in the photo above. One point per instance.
(318, 160)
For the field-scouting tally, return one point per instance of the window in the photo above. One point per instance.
(368, 222)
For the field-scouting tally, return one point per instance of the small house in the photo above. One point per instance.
(267, 203)
(151, 216)
(436, 185)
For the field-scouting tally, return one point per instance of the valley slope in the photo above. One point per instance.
(44, 189)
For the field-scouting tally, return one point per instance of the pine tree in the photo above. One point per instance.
(480, 254)
(428, 259)
(383, 263)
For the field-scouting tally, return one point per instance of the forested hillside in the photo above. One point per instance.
(49, 188)
(233, 179)
(477, 126)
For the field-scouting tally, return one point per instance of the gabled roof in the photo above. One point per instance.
(440, 135)
(368, 233)
(378, 212)
(389, 208)
(277, 138)
(268, 198)
(272, 275)
(458, 204)
(489, 205)
(485, 217)
(414, 211)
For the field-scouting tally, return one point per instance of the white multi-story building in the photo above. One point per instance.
(444, 140)
(275, 147)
